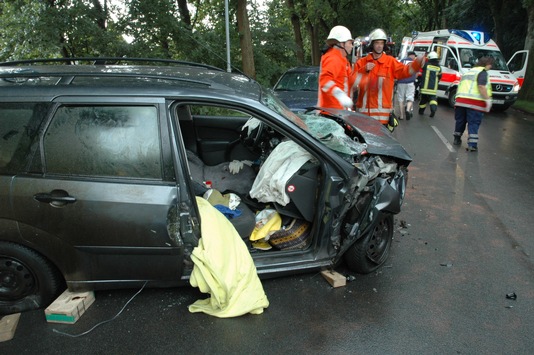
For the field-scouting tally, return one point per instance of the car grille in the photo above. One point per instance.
(501, 88)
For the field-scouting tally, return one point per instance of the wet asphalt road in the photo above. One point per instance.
(468, 242)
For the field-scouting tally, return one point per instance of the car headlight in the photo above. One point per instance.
(516, 87)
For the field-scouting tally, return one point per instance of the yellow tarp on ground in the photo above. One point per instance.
(224, 269)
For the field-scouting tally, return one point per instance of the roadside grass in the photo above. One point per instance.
(524, 105)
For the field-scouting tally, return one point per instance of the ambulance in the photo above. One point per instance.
(458, 51)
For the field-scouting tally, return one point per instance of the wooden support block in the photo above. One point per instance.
(69, 307)
(8, 325)
(334, 278)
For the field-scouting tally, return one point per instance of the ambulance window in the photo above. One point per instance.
(420, 49)
(467, 58)
(450, 61)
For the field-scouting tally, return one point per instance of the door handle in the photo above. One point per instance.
(56, 198)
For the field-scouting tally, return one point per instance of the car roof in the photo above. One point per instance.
(172, 77)
(304, 69)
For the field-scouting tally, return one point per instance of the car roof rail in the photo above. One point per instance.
(107, 61)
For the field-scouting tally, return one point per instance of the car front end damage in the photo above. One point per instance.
(375, 193)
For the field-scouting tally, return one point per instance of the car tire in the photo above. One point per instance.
(371, 251)
(452, 97)
(28, 281)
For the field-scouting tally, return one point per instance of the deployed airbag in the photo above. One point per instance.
(284, 161)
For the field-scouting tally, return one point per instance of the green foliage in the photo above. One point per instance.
(154, 28)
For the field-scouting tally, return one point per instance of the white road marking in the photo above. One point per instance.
(443, 139)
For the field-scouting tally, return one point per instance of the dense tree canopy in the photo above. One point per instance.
(266, 37)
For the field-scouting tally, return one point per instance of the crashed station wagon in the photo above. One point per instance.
(101, 162)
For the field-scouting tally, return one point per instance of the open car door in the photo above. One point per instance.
(518, 65)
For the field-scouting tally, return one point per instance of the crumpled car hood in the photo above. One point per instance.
(377, 137)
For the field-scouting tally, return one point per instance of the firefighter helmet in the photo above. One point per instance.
(338, 34)
(432, 55)
(377, 35)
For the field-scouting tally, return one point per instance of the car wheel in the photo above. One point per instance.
(27, 280)
(452, 97)
(371, 251)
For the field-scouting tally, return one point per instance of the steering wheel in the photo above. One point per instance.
(257, 136)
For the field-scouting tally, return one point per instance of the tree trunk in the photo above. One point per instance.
(245, 39)
(295, 22)
(498, 11)
(185, 15)
(527, 90)
(315, 43)
(101, 13)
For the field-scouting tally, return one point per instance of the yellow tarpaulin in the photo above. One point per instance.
(224, 268)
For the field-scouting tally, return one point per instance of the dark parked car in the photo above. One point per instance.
(297, 88)
(100, 166)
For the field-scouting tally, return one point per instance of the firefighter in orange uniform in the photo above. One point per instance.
(374, 78)
(335, 74)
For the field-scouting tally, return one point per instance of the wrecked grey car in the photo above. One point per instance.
(100, 166)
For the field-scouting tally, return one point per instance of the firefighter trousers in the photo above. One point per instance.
(430, 99)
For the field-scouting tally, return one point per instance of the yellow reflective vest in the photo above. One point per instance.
(468, 94)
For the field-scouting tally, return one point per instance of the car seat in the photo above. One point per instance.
(224, 181)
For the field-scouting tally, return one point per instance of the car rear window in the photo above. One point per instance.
(108, 141)
(19, 123)
(299, 81)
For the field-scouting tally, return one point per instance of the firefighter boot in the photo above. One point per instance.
(457, 140)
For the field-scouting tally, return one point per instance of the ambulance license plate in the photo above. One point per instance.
(498, 102)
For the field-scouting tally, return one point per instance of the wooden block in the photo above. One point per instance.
(8, 325)
(334, 278)
(69, 307)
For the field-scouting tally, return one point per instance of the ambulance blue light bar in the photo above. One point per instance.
(475, 37)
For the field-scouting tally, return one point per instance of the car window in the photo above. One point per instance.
(19, 123)
(298, 81)
(115, 141)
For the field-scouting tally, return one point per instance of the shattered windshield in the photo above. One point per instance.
(326, 130)
(274, 103)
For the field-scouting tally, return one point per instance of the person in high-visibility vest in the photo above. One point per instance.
(473, 98)
(335, 82)
(429, 84)
(375, 76)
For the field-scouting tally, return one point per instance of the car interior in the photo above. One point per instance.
(217, 137)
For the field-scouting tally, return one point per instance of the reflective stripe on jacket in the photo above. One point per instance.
(430, 79)
(468, 94)
(335, 71)
(375, 96)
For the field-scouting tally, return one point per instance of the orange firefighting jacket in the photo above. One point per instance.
(375, 88)
(335, 71)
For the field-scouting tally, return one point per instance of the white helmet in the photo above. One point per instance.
(432, 55)
(338, 34)
(377, 34)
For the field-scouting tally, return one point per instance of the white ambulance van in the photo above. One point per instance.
(458, 52)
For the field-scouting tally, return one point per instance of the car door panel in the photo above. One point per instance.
(105, 199)
(217, 137)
